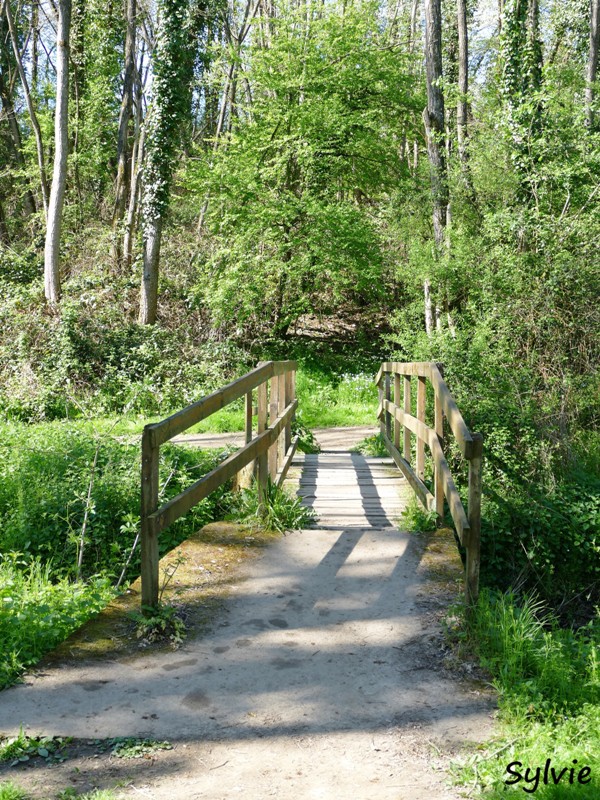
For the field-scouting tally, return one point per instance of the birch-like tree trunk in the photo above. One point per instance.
(30, 106)
(592, 64)
(434, 120)
(123, 159)
(61, 150)
(433, 117)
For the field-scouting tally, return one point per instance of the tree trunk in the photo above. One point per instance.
(428, 307)
(592, 65)
(149, 290)
(14, 140)
(123, 170)
(463, 81)
(433, 117)
(4, 238)
(30, 107)
(61, 145)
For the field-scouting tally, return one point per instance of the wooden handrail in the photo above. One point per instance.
(398, 411)
(271, 449)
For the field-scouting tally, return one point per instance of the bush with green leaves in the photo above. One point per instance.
(37, 611)
(64, 490)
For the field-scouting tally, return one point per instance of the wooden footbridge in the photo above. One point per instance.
(346, 490)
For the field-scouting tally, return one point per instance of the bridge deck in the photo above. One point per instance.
(349, 490)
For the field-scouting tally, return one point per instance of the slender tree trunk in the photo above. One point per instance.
(428, 307)
(137, 156)
(463, 81)
(592, 64)
(434, 120)
(123, 171)
(4, 238)
(61, 149)
(30, 106)
(149, 289)
(433, 117)
(35, 35)
(14, 140)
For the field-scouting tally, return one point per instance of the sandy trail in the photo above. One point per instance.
(321, 678)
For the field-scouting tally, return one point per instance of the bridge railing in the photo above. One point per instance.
(270, 450)
(399, 425)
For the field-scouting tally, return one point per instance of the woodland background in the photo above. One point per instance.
(339, 182)
(190, 186)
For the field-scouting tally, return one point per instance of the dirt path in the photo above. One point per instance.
(322, 677)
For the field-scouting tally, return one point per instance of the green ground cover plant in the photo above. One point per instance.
(10, 791)
(548, 684)
(69, 524)
(39, 610)
(277, 511)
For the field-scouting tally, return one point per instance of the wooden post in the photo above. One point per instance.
(398, 403)
(439, 484)
(407, 410)
(244, 476)
(380, 395)
(421, 399)
(273, 413)
(148, 538)
(473, 543)
(262, 460)
(282, 398)
(289, 396)
(388, 396)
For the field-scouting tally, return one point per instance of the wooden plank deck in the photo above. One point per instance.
(349, 490)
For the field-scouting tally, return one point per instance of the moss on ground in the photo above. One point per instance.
(197, 577)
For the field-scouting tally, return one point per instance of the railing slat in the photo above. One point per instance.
(405, 468)
(428, 435)
(455, 419)
(167, 428)
(187, 499)
(468, 525)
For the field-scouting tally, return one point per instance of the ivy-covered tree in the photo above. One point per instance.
(172, 62)
(522, 83)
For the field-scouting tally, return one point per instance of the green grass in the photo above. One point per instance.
(325, 399)
(279, 511)
(371, 446)
(37, 612)
(548, 683)
(10, 791)
(69, 518)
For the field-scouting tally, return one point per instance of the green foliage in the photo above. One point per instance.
(540, 668)
(548, 679)
(46, 475)
(295, 183)
(416, 518)
(22, 748)
(371, 446)
(37, 612)
(278, 511)
(90, 357)
(10, 791)
(306, 440)
(160, 624)
(332, 398)
(130, 747)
